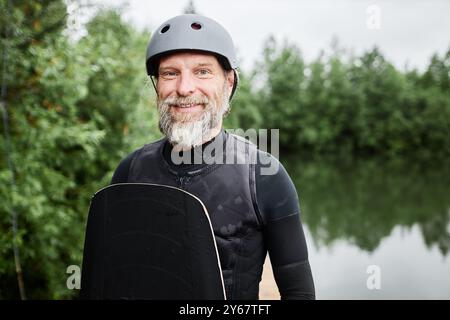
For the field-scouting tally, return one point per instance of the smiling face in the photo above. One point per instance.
(193, 93)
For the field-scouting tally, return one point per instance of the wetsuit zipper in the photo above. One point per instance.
(183, 179)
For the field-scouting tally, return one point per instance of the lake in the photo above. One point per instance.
(375, 228)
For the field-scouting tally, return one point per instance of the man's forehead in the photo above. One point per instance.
(189, 58)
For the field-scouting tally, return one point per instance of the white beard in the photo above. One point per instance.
(185, 135)
(184, 131)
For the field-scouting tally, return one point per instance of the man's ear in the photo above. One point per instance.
(230, 80)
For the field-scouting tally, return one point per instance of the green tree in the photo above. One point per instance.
(357, 106)
(73, 115)
(47, 139)
(244, 112)
(282, 76)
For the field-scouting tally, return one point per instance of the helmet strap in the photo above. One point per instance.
(154, 86)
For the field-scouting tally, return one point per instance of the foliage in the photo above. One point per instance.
(72, 109)
(361, 106)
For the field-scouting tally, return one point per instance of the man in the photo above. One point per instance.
(193, 60)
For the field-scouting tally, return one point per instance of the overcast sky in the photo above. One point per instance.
(407, 31)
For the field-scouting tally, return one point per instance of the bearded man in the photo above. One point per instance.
(193, 60)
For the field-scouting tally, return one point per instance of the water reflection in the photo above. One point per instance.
(363, 201)
(408, 270)
(392, 214)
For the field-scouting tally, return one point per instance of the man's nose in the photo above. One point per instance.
(186, 85)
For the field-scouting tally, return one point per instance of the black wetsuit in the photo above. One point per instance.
(278, 204)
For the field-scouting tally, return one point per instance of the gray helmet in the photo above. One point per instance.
(192, 32)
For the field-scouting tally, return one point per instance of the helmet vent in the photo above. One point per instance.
(165, 28)
(196, 26)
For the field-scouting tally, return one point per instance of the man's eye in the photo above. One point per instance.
(203, 72)
(169, 74)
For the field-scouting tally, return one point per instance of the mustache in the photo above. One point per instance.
(184, 100)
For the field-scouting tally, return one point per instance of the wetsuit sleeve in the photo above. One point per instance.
(121, 173)
(278, 204)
